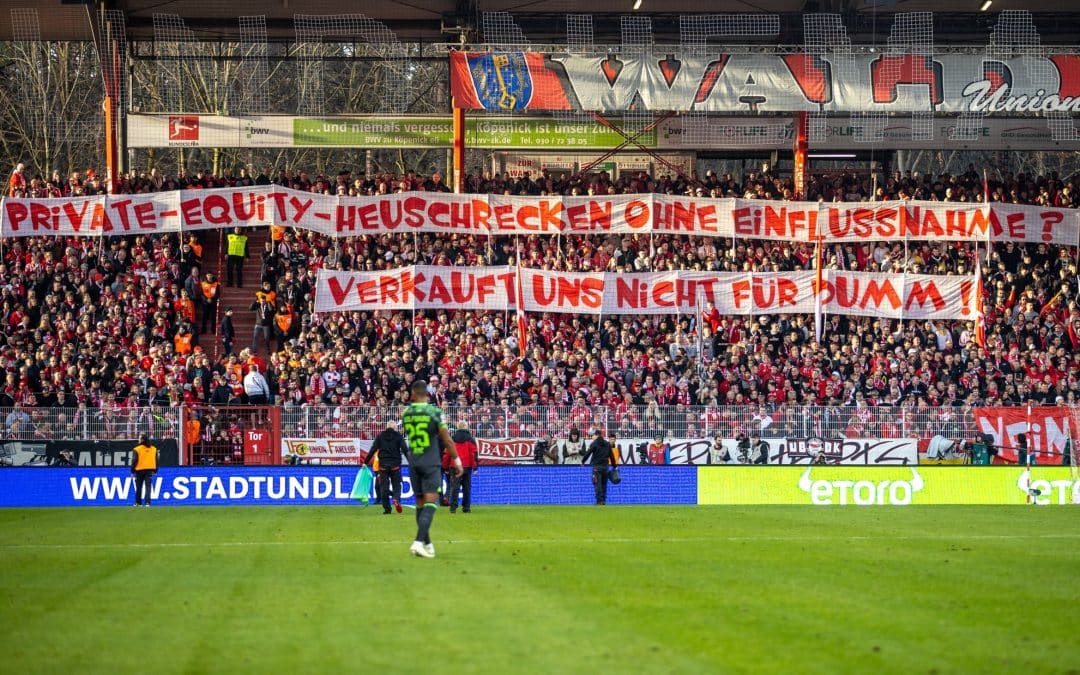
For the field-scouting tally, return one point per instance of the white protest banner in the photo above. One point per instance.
(911, 296)
(507, 215)
(416, 287)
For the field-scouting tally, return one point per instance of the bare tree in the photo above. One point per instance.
(50, 105)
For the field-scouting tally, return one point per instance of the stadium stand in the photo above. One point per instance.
(119, 322)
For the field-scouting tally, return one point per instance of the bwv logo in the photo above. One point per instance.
(258, 131)
(861, 492)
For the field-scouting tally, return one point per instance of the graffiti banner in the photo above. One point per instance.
(767, 83)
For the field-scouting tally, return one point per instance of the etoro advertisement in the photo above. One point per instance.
(540, 485)
(887, 486)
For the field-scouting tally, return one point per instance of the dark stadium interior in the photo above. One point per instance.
(543, 21)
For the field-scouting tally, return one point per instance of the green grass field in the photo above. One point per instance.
(541, 590)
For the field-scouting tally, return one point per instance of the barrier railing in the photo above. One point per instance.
(88, 424)
(249, 434)
(774, 421)
(527, 421)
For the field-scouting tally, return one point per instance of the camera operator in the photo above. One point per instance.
(742, 450)
(718, 454)
(1023, 457)
(544, 452)
(759, 451)
(573, 447)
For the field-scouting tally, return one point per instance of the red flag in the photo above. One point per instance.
(819, 317)
(520, 302)
(980, 313)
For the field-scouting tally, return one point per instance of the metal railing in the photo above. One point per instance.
(91, 424)
(647, 421)
(673, 421)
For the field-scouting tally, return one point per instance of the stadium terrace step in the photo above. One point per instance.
(238, 299)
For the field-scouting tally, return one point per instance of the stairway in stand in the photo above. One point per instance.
(238, 299)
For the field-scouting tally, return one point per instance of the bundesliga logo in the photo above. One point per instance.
(183, 129)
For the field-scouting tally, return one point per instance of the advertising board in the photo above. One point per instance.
(881, 486)
(330, 485)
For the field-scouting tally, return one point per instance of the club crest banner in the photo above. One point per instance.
(767, 83)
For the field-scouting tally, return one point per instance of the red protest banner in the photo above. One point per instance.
(1048, 429)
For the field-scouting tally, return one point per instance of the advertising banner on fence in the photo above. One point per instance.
(503, 214)
(848, 451)
(764, 83)
(83, 453)
(345, 451)
(879, 486)
(1047, 429)
(382, 131)
(505, 450)
(329, 485)
(898, 296)
(544, 134)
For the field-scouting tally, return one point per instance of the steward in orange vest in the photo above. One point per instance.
(143, 465)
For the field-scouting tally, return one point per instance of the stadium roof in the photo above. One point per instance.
(542, 21)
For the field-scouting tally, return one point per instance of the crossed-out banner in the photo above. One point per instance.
(943, 83)
(1047, 430)
(907, 296)
(335, 216)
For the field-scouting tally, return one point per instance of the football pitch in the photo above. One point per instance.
(541, 590)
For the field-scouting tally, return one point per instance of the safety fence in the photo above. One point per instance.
(89, 424)
(211, 435)
(775, 421)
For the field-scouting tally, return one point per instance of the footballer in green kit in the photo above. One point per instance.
(427, 435)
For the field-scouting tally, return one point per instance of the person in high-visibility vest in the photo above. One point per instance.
(237, 250)
(210, 290)
(283, 323)
(144, 463)
(192, 431)
(182, 341)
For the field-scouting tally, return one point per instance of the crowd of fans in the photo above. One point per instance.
(123, 322)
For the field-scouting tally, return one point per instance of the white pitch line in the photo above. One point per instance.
(583, 540)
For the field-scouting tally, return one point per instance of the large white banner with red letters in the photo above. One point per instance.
(907, 296)
(507, 215)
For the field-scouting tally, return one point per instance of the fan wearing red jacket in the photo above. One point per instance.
(467, 451)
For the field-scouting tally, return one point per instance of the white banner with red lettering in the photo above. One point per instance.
(504, 215)
(898, 296)
(351, 451)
